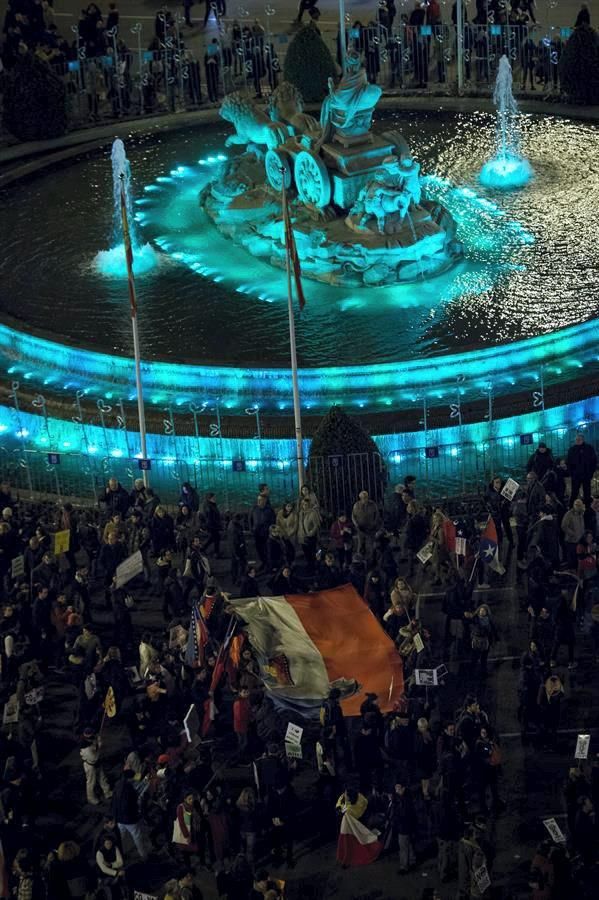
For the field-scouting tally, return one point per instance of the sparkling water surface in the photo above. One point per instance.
(52, 227)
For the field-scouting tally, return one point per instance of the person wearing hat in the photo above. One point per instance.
(92, 768)
(541, 461)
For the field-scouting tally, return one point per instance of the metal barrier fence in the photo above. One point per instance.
(441, 471)
(140, 73)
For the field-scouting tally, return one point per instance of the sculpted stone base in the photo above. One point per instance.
(337, 248)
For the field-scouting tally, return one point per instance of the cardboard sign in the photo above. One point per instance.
(17, 567)
(191, 723)
(425, 553)
(426, 677)
(461, 546)
(62, 542)
(293, 751)
(554, 831)
(133, 675)
(418, 643)
(10, 716)
(582, 746)
(129, 568)
(294, 733)
(481, 877)
(510, 489)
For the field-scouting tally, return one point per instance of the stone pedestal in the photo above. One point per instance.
(352, 166)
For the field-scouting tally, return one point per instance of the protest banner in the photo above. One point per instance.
(129, 568)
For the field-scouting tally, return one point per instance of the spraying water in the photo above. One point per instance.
(507, 169)
(112, 263)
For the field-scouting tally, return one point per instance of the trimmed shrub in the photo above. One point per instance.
(309, 64)
(579, 66)
(34, 101)
(343, 461)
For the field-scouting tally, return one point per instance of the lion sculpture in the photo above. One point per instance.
(252, 126)
(286, 105)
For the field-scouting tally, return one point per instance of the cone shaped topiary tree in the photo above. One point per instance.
(344, 460)
(309, 64)
(34, 101)
(579, 66)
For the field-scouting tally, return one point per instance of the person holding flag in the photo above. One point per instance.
(488, 549)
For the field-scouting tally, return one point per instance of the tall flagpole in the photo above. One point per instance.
(133, 304)
(297, 415)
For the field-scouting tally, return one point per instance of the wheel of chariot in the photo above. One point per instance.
(312, 179)
(278, 169)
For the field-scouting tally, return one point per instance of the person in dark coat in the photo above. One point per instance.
(541, 461)
(116, 498)
(403, 820)
(582, 463)
(125, 809)
(212, 521)
(262, 517)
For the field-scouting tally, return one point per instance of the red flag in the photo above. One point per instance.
(291, 250)
(450, 534)
(128, 252)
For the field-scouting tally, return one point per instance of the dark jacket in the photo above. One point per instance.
(540, 463)
(403, 814)
(125, 807)
(582, 461)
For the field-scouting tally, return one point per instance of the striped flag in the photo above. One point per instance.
(197, 639)
(128, 250)
(291, 250)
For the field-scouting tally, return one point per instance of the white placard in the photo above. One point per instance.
(510, 489)
(129, 568)
(481, 876)
(293, 751)
(425, 553)
(139, 895)
(418, 643)
(582, 746)
(426, 677)
(555, 831)
(17, 567)
(294, 734)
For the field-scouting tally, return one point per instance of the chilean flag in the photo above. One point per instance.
(304, 643)
(357, 845)
(489, 547)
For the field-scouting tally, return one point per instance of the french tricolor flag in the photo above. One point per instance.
(306, 642)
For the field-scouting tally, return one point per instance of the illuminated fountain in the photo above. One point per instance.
(361, 216)
(507, 169)
(112, 263)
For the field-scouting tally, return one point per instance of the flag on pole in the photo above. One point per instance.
(357, 845)
(489, 547)
(197, 639)
(291, 250)
(449, 533)
(110, 703)
(128, 250)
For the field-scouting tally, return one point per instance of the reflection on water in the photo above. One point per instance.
(52, 227)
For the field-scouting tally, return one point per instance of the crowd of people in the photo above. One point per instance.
(100, 64)
(182, 704)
